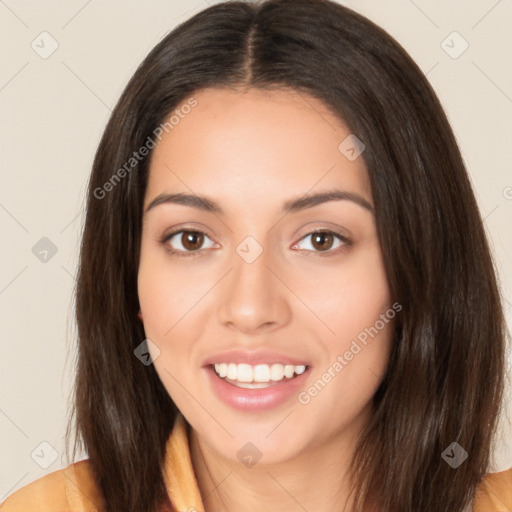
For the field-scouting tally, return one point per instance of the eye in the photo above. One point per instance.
(322, 241)
(189, 242)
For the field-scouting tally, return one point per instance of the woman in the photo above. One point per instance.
(285, 299)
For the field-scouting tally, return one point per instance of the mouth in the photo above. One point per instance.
(256, 388)
(258, 376)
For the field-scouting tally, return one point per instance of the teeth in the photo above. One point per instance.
(289, 370)
(222, 369)
(261, 373)
(276, 372)
(300, 369)
(231, 371)
(244, 373)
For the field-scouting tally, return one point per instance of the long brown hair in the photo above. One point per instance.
(445, 378)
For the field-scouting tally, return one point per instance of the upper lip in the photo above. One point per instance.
(254, 357)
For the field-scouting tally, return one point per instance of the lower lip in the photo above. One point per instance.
(255, 399)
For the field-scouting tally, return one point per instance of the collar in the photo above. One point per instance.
(180, 479)
(492, 495)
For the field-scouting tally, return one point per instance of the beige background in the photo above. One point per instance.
(54, 110)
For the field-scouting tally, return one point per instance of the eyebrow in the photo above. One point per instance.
(291, 206)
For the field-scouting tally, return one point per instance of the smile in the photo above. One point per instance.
(259, 387)
(257, 376)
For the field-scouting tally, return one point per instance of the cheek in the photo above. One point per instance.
(354, 295)
(357, 308)
(171, 297)
(165, 292)
(154, 297)
(162, 297)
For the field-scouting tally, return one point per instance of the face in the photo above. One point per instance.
(286, 295)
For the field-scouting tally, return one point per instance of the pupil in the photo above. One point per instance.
(191, 239)
(322, 238)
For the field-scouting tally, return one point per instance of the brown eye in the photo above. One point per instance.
(323, 241)
(185, 242)
(192, 240)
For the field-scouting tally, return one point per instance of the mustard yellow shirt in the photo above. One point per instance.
(72, 489)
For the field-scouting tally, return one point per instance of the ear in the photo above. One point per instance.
(139, 314)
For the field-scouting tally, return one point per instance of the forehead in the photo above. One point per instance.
(257, 144)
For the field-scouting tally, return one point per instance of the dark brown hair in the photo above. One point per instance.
(445, 378)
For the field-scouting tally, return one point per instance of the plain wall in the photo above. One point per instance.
(54, 111)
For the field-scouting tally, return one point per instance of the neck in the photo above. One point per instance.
(316, 479)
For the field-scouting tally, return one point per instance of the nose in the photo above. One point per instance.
(253, 297)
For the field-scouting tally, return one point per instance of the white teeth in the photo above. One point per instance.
(288, 371)
(232, 371)
(221, 369)
(300, 369)
(244, 373)
(276, 372)
(261, 373)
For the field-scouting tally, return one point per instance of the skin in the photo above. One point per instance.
(251, 151)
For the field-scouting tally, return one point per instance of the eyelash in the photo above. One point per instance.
(188, 254)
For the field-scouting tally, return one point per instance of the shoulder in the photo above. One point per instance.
(72, 489)
(494, 493)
